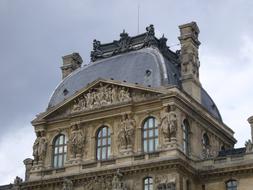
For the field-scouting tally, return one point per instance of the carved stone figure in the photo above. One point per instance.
(76, 141)
(101, 96)
(99, 183)
(40, 147)
(165, 182)
(17, 183)
(117, 183)
(249, 146)
(67, 184)
(126, 134)
(169, 124)
(150, 36)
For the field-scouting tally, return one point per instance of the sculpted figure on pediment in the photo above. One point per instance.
(126, 133)
(40, 147)
(169, 123)
(76, 141)
(67, 184)
(101, 96)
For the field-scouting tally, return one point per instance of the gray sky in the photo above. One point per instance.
(34, 35)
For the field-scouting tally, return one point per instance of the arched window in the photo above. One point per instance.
(148, 183)
(206, 141)
(150, 135)
(59, 151)
(231, 185)
(186, 131)
(103, 143)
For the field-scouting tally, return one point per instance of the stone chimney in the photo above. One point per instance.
(250, 120)
(190, 59)
(70, 63)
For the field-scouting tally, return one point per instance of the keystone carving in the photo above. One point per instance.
(169, 124)
(40, 147)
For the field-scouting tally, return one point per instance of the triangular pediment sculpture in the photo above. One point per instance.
(103, 93)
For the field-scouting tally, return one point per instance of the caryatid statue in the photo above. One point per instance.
(40, 147)
(76, 141)
(169, 123)
(126, 134)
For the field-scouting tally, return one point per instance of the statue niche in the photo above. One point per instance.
(169, 124)
(76, 141)
(126, 132)
(40, 147)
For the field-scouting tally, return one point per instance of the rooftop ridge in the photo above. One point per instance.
(127, 43)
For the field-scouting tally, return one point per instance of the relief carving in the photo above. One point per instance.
(17, 183)
(99, 183)
(169, 124)
(101, 96)
(126, 132)
(164, 182)
(76, 141)
(67, 184)
(40, 147)
(117, 182)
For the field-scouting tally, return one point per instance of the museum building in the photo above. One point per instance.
(135, 118)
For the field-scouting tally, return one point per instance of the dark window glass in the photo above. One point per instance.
(148, 183)
(231, 185)
(150, 135)
(60, 151)
(186, 131)
(103, 143)
(206, 141)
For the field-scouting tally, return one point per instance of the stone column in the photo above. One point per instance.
(250, 120)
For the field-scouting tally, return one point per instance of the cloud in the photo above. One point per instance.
(14, 148)
(229, 81)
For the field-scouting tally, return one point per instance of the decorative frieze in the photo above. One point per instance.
(67, 184)
(101, 96)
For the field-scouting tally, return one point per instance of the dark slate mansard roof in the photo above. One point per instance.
(141, 59)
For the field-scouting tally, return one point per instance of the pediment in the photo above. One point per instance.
(101, 94)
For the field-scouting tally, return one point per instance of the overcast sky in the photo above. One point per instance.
(34, 35)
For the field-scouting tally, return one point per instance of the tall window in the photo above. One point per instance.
(60, 151)
(103, 143)
(150, 135)
(231, 185)
(206, 140)
(148, 183)
(186, 131)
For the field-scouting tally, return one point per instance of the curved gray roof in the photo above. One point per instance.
(146, 66)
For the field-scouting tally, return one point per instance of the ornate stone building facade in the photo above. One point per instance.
(135, 118)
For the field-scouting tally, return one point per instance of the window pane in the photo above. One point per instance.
(150, 133)
(60, 149)
(109, 152)
(98, 153)
(104, 132)
(103, 153)
(60, 161)
(156, 143)
(145, 146)
(104, 142)
(156, 132)
(145, 134)
(61, 139)
(55, 161)
(151, 147)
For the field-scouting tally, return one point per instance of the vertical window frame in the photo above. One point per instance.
(148, 183)
(59, 157)
(186, 136)
(150, 135)
(103, 142)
